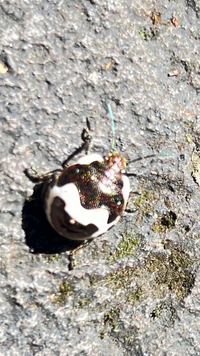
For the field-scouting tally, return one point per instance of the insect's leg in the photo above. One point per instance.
(35, 177)
(87, 138)
(72, 261)
(86, 145)
(130, 207)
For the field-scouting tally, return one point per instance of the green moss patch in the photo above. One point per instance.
(144, 198)
(127, 246)
(63, 294)
(172, 270)
(122, 280)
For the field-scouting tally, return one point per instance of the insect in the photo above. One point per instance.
(84, 200)
(87, 198)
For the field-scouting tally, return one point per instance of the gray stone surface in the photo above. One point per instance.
(135, 290)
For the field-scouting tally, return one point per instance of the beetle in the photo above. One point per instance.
(87, 198)
(84, 200)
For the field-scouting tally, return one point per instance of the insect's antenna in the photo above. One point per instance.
(141, 158)
(129, 174)
(112, 127)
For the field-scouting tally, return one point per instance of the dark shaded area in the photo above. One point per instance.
(40, 236)
(169, 219)
(194, 6)
(4, 58)
(13, 12)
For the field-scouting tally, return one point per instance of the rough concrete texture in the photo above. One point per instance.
(135, 290)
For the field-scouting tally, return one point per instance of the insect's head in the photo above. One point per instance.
(116, 161)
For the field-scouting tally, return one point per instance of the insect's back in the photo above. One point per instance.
(88, 197)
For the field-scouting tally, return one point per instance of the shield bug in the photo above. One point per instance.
(84, 200)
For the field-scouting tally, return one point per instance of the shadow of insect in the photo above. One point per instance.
(39, 235)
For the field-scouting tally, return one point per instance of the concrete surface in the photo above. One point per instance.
(135, 290)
